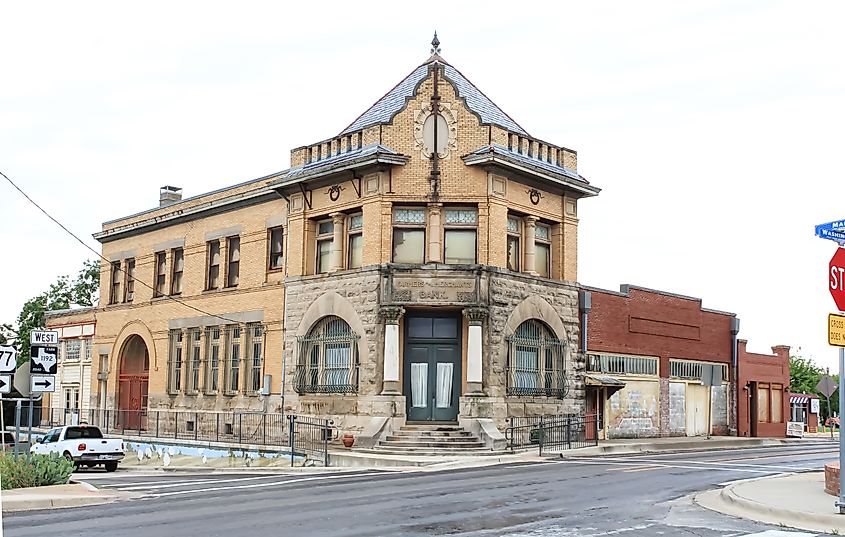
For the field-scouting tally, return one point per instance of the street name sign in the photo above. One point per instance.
(44, 337)
(836, 330)
(43, 360)
(8, 358)
(826, 386)
(42, 383)
(831, 230)
(836, 273)
(5, 383)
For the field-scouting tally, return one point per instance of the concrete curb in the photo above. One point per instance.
(729, 502)
(58, 496)
(681, 447)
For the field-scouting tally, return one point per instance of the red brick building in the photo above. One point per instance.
(762, 396)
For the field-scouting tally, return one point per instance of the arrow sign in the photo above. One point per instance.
(8, 358)
(5, 383)
(43, 383)
(43, 360)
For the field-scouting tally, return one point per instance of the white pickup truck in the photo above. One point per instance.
(84, 445)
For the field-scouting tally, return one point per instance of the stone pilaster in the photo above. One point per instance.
(476, 317)
(435, 233)
(391, 316)
(338, 219)
(529, 225)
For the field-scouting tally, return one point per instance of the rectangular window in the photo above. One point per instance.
(71, 398)
(622, 365)
(325, 238)
(161, 273)
(275, 237)
(763, 414)
(174, 384)
(355, 250)
(178, 269)
(213, 263)
(114, 296)
(233, 360)
(89, 348)
(72, 350)
(514, 233)
(777, 403)
(408, 235)
(193, 375)
(460, 236)
(542, 250)
(212, 359)
(255, 346)
(130, 280)
(233, 268)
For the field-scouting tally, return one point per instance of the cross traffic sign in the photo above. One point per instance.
(8, 358)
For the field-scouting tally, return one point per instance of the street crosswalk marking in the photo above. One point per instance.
(782, 533)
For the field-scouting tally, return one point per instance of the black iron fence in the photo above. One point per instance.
(309, 439)
(552, 433)
(248, 428)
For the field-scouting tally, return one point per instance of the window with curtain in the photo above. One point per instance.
(328, 358)
(233, 268)
(161, 273)
(536, 361)
(276, 246)
(513, 237)
(213, 265)
(178, 269)
(459, 236)
(325, 238)
(130, 280)
(542, 250)
(355, 250)
(408, 235)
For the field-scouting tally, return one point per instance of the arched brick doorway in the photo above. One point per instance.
(133, 382)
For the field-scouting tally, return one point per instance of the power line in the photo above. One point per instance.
(142, 282)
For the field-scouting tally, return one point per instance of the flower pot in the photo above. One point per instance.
(348, 440)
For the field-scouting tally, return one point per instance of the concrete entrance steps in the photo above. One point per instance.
(433, 439)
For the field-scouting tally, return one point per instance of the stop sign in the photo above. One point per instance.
(837, 278)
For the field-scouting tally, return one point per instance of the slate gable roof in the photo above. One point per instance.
(394, 101)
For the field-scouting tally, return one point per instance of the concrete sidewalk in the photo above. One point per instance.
(794, 500)
(56, 496)
(685, 443)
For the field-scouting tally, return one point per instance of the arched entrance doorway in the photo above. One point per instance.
(133, 382)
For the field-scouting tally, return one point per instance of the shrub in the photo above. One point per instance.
(39, 471)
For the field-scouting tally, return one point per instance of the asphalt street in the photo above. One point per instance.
(572, 497)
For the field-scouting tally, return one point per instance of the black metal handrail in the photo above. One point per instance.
(552, 433)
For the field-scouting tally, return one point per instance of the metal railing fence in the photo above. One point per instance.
(552, 433)
(309, 438)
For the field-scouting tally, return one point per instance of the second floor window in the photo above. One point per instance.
(114, 296)
(460, 236)
(213, 260)
(408, 235)
(514, 233)
(233, 268)
(161, 273)
(130, 280)
(178, 269)
(355, 255)
(276, 247)
(72, 350)
(542, 250)
(325, 236)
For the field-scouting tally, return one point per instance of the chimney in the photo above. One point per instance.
(168, 195)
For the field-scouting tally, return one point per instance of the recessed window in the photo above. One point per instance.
(233, 268)
(543, 250)
(255, 347)
(325, 238)
(408, 235)
(460, 236)
(178, 269)
(442, 133)
(130, 280)
(114, 296)
(192, 379)
(161, 273)
(233, 361)
(355, 250)
(327, 360)
(276, 240)
(212, 359)
(174, 358)
(213, 276)
(514, 235)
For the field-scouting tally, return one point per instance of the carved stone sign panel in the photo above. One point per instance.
(416, 289)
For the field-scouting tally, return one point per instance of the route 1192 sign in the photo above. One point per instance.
(43, 360)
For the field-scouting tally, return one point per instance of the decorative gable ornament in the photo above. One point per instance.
(447, 130)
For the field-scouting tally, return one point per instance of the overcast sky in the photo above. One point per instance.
(714, 129)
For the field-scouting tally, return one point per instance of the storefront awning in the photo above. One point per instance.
(798, 399)
(604, 381)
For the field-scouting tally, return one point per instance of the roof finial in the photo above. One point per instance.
(435, 44)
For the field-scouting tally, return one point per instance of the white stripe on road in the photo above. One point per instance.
(666, 465)
(172, 484)
(711, 463)
(257, 485)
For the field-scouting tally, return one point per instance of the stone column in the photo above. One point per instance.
(529, 262)
(475, 316)
(336, 264)
(391, 316)
(435, 233)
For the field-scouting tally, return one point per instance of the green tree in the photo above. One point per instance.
(805, 376)
(61, 295)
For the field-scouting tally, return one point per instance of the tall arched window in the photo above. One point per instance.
(328, 358)
(536, 361)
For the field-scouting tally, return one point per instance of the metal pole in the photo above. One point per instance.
(29, 427)
(18, 429)
(841, 502)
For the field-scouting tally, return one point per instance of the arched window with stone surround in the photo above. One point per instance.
(536, 361)
(327, 361)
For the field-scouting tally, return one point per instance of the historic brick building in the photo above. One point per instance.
(420, 265)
